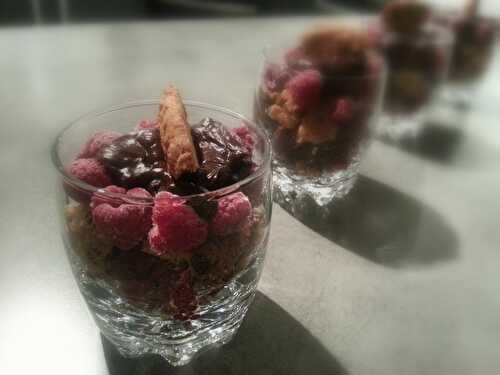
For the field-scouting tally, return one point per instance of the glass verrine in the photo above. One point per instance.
(172, 305)
(317, 146)
(472, 53)
(417, 68)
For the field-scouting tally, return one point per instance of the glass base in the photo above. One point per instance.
(290, 188)
(136, 331)
(176, 352)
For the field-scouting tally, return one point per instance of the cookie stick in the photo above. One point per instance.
(175, 133)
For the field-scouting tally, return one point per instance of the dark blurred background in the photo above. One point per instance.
(31, 12)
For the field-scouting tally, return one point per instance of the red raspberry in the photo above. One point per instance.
(342, 112)
(275, 77)
(146, 124)
(305, 88)
(233, 213)
(101, 197)
(245, 136)
(177, 227)
(96, 142)
(156, 242)
(122, 224)
(90, 171)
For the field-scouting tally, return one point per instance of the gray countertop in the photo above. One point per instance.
(401, 278)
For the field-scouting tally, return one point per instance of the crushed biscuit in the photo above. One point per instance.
(313, 131)
(282, 116)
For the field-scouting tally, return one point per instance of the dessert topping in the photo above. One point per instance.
(175, 134)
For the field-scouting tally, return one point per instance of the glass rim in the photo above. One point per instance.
(450, 14)
(75, 182)
(443, 36)
(340, 77)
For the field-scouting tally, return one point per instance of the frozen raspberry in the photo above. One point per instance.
(342, 112)
(177, 227)
(146, 124)
(245, 136)
(121, 223)
(124, 226)
(139, 193)
(305, 88)
(96, 142)
(90, 171)
(156, 242)
(101, 197)
(275, 77)
(233, 214)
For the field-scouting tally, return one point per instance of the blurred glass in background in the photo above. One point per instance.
(28, 12)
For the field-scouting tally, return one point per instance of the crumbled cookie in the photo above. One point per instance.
(84, 240)
(282, 116)
(286, 99)
(313, 131)
(405, 16)
(337, 47)
(176, 137)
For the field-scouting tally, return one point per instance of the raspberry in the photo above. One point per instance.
(233, 214)
(90, 171)
(122, 224)
(305, 88)
(146, 124)
(96, 142)
(177, 227)
(342, 111)
(101, 197)
(245, 136)
(275, 77)
(156, 242)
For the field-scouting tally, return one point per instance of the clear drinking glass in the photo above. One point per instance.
(323, 166)
(417, 68)
(170, 306)
(472, 53)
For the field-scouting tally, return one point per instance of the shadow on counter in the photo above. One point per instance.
(270, 341)
(382, 225)
(436, 142)
(448, 144)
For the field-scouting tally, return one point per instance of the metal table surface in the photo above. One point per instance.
(402, 277)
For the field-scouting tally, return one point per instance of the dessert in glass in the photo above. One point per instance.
(166, 221)
(472, 52)
(318, 100)
(417, 52)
